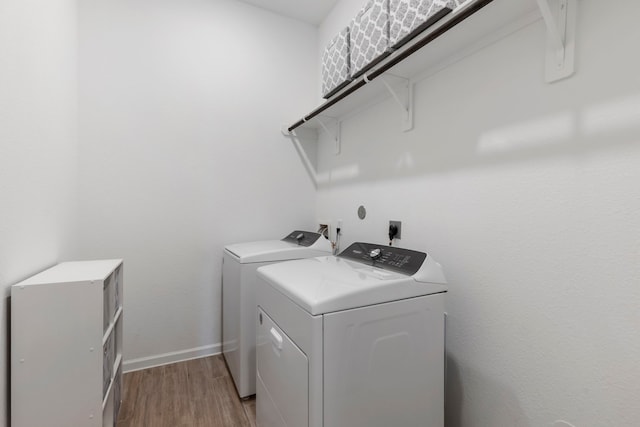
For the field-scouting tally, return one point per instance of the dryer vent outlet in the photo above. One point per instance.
(324, 230)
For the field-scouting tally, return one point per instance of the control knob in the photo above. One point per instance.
(375, 253)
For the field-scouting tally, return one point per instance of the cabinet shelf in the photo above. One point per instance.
(481, 19)
(111, 327)
(116, 366)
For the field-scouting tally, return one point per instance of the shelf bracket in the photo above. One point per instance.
(560, 18)
(403, 97)
(301, 137)
(335, 136)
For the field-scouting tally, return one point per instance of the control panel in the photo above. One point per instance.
(386, 257)
(302, 238)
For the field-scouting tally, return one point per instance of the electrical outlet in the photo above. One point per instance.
(399, 225)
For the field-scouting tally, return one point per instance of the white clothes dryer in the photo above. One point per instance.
(351, 340)
(240, 262)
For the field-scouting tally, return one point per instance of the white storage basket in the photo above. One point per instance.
(369, 36)
(335, 64)
(410, 17)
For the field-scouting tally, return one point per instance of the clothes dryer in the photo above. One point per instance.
(352, 340)
(240, 262)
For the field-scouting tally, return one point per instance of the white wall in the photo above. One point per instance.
(528, 195)
(38, 147)
(181, 107)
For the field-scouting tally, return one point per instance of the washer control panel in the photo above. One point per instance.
(386, 257)
(302, 238)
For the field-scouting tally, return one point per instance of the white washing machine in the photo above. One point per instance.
(240, 262)
(352, 340)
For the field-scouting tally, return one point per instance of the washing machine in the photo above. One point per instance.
(352, 340)
(240, 262)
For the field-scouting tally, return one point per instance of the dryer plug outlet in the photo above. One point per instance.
(394, 230)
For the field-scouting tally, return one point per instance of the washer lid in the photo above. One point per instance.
(327, 284)
(276, 250)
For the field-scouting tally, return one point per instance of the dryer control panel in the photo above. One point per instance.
(386, 257)
(302, 238)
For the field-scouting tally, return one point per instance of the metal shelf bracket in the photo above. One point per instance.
(403, 96)
(560, 19)
(333, 129)
(335, 136)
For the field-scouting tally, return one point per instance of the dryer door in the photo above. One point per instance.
(384, 365)
(282, 392)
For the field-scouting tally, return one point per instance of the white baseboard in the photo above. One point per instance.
(173, 357)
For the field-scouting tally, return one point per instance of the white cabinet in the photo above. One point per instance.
(66, 346)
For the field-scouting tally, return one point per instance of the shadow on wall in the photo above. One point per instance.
(7, 367)
(374, 153)
(454, 394)
(498, 404)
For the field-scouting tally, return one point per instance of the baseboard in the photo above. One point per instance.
(168, 358)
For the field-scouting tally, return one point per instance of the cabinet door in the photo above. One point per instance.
(283, 378)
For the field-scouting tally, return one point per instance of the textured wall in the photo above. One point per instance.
(38, 147)
(181, 106)
(528, 195)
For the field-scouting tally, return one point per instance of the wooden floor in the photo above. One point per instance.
(194, 393)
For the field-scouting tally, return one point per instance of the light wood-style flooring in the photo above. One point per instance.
(194, 393)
